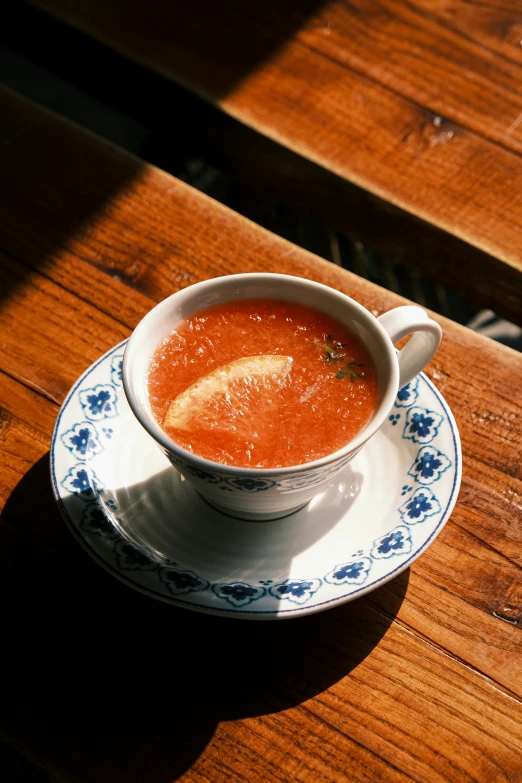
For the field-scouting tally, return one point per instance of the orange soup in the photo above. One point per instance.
(262, 383)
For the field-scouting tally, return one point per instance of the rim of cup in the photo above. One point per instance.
(209, 292)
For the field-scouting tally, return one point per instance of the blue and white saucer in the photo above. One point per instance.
(137, 516)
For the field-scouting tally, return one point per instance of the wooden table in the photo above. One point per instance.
(420, 680)
(398, 115)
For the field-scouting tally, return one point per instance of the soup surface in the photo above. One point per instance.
(262, 383)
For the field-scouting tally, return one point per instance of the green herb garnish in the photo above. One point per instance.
(331, 349)
(331, 354)
(354, 376)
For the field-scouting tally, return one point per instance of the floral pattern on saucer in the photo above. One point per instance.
(97, 522)
(116, 369)
(130, 558)
(429, 465)
(100, 402)
(182, 582)
(82, 481)
(421, 505)
(396, 542)
(355, 572)
(408, 394)
(421, 425)
(299, 591)
(87, 446)
(82, 441)
(238, 593)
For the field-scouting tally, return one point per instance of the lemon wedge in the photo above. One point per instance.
(223, 382)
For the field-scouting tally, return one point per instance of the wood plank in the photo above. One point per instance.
(272, 171)
(45, 361)
(496, 26)
(489, 513)
(31, 551)
(491, 507)
(430, 53)
(328, 112)
(465, 761)
(460, 564)
(27, 405)
(22, 446)
(340, 696)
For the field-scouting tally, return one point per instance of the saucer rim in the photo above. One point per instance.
(238, 612)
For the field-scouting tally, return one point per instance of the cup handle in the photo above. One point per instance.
(423, 345)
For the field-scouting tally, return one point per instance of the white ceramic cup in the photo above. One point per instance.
(261, 494)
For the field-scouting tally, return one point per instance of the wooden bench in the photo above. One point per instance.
(418, 680)
(398, 122)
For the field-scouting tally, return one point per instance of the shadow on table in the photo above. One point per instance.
(54, 185)
(102, 678)
(210, 46)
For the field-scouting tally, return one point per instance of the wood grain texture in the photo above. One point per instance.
(418, 681)
(315, 82)
(365, 701)
(267, 170)
(433, 54)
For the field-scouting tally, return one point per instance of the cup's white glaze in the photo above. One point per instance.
(261, 494)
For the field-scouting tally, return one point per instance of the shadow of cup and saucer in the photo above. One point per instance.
(117, 678)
